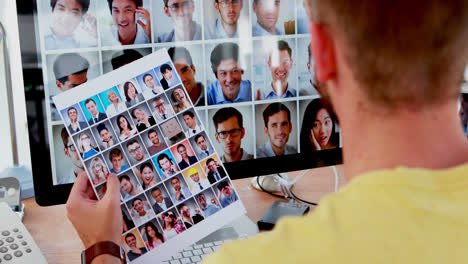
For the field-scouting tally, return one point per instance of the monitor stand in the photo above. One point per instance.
(269, 182)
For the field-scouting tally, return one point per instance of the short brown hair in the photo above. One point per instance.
(403, 51)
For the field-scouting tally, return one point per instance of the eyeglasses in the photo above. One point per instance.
(71, 147)
(132, 151)
(233, 133)
(226, 3)
(186, 4)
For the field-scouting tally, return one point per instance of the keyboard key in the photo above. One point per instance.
(185, 261)
(177, 256)
(20, 236)
(16, 230)
(195, 258)
(14, 246)
(28, 250)
(10, 239)
(197, 246)
(207, 250)
(24, 243)
(188, 254)
(197, 252)
(3, 250)
(18, 253)
(218, 243)
(208, 245)
(7, 257)
(175, 261)
(1, 243)
(5, 233)
(188, 248)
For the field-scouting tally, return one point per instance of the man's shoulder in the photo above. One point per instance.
(167, 37)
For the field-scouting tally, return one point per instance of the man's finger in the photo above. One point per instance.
(80, 187)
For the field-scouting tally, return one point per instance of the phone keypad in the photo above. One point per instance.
(12, 246)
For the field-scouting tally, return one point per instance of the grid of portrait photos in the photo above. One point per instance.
(168, 184)
(235, 57)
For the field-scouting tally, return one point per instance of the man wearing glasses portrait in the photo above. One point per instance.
(70, 152)
(181, 13)
(230, 131)
(226, 25)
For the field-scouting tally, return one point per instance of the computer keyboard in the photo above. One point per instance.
(195, 253)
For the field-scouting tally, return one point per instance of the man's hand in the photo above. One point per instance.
(146, 15)
(95, 220)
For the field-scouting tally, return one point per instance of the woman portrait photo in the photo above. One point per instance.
(99, 171)
(147, 175)
(131, 94)
(180, 99)
(116, 105)
(153, 236)
(172, 225)
(319, 127)
(87, 149)
(126, 129)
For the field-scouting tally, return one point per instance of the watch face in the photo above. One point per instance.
(171, 128)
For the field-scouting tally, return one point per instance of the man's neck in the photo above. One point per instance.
(195, 93)
(430, 138)
(130, 39)
(230, 29)
(235, 156)
(278, 151)
(142, 213)
(271, 30)
(280, 87)
(185, 32)
(193, 126)
(157, 145)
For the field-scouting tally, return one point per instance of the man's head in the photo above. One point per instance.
(70, 150)
(130, 239)
(138, 205)
(148, 79)
(157, 195)
(280, 62)
(398, 58)
(267, 12)
(229, 10)
(225, 188)
(184, 66)
(277, 120)
(91, 106)
(135, 150)
(104, 133)
(115, 157)
(138, 114)
(193, 173)
(72, 114)
(201, 198)
(200, 140)
(164, 162)
(126, 184)
(159, 106)
(225, 65)
(211, 164)
(121, 58)
(229, 127)
(166, 72)
(181, 12)
(123, 13)
(66, 16)
(153, 136)
(184, 210)
(70, 70)
(175, 182)
(189, 118)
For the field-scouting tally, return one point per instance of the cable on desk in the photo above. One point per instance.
(270, 193)
(336, 178)
(301, 200)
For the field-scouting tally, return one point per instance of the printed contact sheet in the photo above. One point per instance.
(174, 188)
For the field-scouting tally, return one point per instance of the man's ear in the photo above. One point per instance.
(323, 52)
(59, 85)
(216, 6)
(166, 11)
(194, 69)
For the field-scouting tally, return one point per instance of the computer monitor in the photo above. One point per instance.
(249, 77)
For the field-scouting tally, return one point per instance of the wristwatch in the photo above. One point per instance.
(103, 247)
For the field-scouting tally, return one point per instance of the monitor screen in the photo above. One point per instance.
(245, 63)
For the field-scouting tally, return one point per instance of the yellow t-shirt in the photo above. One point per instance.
(395, 216)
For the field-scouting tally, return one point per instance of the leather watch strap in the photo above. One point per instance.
(103, 247)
